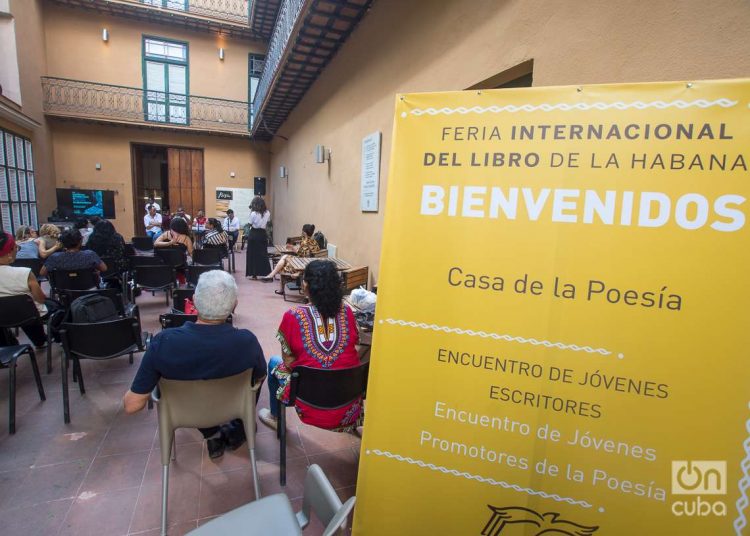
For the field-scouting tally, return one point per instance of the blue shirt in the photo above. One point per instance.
(73, 260)
(199, 352)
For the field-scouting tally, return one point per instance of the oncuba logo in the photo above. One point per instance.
(224, 195)
(699, 478)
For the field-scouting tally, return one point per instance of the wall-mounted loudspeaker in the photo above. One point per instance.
(260, 186)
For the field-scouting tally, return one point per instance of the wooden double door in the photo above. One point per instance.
(185, 175)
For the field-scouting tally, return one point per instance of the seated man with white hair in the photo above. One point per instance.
(203, 350)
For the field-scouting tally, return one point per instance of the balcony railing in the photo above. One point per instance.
(127, 105)
(285, 22)
(226, 16)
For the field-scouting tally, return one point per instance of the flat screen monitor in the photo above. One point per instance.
(87, 203)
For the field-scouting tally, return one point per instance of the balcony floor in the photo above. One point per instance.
(101, 473)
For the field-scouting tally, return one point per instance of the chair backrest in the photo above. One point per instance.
(321, 253)
(178, 297)
(17, 311)
(144, 243)
(73, 279)
(175, 320)
(102, 340)
(156, 277)
(207, 256)
(174, 257)
(204, 403)
(194, 272)
(324, 501)
(114, 294)
(145, 260)
(329, 388)
(355, 278)
(34, 264)
(112, 270)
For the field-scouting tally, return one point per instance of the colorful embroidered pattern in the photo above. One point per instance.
(325, 349)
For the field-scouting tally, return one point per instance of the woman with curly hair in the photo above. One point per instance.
(105, 241)
(320, 335)
(49, 240)
(257, 242)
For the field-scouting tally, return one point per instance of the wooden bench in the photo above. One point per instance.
(355, 278)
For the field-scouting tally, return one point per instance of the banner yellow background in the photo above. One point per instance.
(693, 360)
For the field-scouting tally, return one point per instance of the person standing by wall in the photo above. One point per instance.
(257, 244)
(232, 227)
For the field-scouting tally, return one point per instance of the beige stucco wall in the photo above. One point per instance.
(30, 43)
(75, 50)
(438, 45)
(79, 147)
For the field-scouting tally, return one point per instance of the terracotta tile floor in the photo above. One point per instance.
(101, 474)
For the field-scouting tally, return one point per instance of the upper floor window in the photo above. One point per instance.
(165, 80)
(180, 5)
(254, 69)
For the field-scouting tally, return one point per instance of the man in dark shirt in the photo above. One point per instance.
(207, 349)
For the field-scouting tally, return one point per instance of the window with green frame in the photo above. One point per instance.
(165, 81)
(180, 5)
(17, 184)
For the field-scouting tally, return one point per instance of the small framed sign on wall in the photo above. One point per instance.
(370, 172)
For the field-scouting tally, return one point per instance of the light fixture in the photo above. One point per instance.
(221, 54)
(105, 35)
(283, 172)
(322, 154)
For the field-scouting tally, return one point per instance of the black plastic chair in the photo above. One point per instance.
(34, 264)
(178, 298)
(174, 257)
(115, 294)
(194, 272)
(114, 274)
(208, 257)
(322, 389)
(175, 320)
(142, 243)
(73, 280)
(19, 311)
(155, 278)
(8, 359)
(100, 340)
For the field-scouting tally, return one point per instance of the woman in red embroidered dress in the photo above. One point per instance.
(321, 335)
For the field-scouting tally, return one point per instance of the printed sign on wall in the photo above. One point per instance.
(238, 199)
(370, 174)
(561, 337)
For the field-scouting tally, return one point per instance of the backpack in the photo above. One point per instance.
(93, 308)
(320, 238)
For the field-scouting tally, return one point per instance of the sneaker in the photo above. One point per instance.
(264, 414)
(216, 447)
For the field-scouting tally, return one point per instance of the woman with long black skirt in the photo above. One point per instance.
(257, 243)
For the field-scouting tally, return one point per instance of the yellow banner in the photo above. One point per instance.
(561, 342)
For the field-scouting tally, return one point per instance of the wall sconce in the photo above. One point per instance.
(322, 154)
(221, 54)
(105, 35)
(283, 172)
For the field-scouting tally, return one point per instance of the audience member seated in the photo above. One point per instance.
(152, 203)
(232, 227)
(105, 241)
(28, 245)
(72, 258)
(49, 240)
(307, 248)
(181, 214)
(15, 281)
(82, 224)
(152, 223)
(320, 335)
(203, 350)
(177, 236)
(215, 236)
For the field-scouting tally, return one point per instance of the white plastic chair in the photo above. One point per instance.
(273, 515)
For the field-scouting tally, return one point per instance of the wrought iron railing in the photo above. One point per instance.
(105, 102)
(288, 14)
(228, 10)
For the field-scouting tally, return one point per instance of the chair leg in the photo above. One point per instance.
(164, 495)
(256, 481)
(282, 444)
(66, 397)
(77, 368)
(49, 347)
(37, 377)
(12, 397)
(130, 359)
(174, 447)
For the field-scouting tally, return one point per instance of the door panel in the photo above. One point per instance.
(186, 188)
